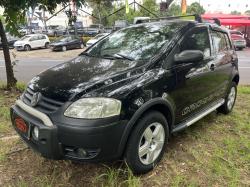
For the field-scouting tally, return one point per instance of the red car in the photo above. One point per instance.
(238, 40)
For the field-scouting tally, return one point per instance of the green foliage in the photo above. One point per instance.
(195, 8)
(15, 11)
(102, 9)
(247, 12)
(174, 10)
(235, 12)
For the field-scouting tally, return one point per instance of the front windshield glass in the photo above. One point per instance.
(139, 42)
(25, 38)
(65, 39)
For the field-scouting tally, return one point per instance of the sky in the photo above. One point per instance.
(224, 6)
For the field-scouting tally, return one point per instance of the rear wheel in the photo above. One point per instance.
(227, 107)
(147, 142)
(27, 48)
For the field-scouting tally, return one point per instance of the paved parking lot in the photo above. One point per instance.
(33, 62)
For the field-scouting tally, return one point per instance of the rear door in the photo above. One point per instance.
(223, 55)
(34, 41)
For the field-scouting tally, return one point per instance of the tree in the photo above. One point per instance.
(235, 12)
(195, 8)
(247, 12)
(14, 13)
(174, 10)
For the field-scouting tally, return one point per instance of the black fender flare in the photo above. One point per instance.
(145, 107)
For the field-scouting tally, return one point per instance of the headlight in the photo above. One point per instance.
(93, 108)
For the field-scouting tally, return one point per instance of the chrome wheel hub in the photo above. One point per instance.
(231, 98)
(151, 143)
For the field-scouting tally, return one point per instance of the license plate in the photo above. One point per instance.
(22, 126)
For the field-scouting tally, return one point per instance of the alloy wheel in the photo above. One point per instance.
(151, 143)
(231, 98)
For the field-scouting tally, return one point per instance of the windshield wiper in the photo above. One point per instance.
(86, 54)
(124, 56)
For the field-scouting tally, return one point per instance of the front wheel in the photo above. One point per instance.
(147, 142)
(64, 48)
(47, 45)
(227, 107)
(27, 48)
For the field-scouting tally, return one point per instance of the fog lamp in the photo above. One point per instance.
(35, 133)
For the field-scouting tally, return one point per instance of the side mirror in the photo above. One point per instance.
(189, 56)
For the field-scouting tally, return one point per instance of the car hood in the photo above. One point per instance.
(19, 42)
(82, 75)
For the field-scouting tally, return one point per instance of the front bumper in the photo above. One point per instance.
(69, 141)
(56, 48)
(19, 47)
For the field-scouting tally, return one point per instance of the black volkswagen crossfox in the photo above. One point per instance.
(124, 96)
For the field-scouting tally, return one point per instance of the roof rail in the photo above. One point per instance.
(216, 21)
(196, 16)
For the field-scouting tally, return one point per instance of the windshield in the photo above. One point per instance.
(52, 27)
(25, 38)
(139, 42)
(94, 26)
(64, 39)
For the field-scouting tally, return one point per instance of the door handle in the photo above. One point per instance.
(212, 67)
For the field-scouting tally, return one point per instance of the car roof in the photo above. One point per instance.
(192, 23)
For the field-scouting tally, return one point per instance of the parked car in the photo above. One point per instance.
(94, 29)
(11, 40)
(238, 41)
(32, 41)
(96, 39)
(25, 30)
(67, 42)
(119, 24)
(138, 20)
(124, 96)
(55, 30)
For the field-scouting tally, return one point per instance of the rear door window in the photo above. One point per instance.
(219, 41)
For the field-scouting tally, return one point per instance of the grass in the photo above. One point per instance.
(213, 152)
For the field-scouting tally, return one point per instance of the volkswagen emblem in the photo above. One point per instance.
(35, 98)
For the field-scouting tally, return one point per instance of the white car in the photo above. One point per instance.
(96, 39)
(32, 41)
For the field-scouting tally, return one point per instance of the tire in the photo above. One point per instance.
(64, 48)
(27, 48)
(227, 107)
(145, 135)
(47, 45)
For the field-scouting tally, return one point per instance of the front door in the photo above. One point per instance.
(194, 86)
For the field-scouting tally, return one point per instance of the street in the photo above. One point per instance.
(33, 62)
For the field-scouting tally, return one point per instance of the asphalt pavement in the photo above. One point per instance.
(29, 66)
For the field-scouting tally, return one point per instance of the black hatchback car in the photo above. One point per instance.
(124, 96)
(67, 42)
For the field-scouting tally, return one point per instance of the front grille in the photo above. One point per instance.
(45, 104)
